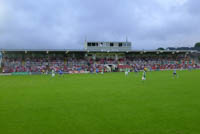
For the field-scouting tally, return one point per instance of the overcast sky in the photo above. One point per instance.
(63, 24)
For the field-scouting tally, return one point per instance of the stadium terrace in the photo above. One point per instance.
(82, 61)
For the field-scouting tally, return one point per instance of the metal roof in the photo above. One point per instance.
(84, 50)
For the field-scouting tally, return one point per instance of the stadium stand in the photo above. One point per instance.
(83, 61)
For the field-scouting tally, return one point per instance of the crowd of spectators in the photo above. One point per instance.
(89, 64)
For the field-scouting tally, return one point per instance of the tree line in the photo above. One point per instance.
(196, 47)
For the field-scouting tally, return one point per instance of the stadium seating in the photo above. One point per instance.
(44, 63)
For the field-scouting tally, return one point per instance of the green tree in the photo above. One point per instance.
(160, 48)
(197, 45)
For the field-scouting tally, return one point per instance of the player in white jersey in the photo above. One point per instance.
(174, 73)
(102, 71)
(126, 72)
(53, 73)
(144, 76)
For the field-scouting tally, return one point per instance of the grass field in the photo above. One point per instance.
(101, 104)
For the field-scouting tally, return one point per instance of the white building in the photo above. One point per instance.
(108, 46)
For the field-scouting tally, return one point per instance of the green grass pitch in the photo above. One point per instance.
(101, 104)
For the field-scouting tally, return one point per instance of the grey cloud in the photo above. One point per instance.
(65, 24)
